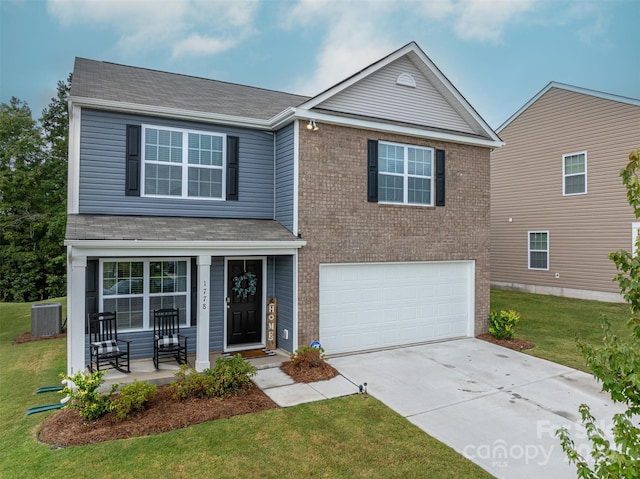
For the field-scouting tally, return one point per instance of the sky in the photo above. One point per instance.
(497, 53)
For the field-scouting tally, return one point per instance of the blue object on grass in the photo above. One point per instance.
(316, 344)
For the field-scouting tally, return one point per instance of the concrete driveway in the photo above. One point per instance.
(497, 407)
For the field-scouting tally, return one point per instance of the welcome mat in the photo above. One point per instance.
(251, 353)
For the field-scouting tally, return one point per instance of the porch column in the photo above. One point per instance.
(202, 329)
(76, 277)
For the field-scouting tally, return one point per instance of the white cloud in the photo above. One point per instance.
(185, 27)
(354, 39)
(359, 33)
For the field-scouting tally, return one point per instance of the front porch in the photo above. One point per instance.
(144, 370)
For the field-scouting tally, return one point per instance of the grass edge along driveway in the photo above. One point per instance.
(349, 437)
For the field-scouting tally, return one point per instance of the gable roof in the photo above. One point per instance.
(467, 121)
(571, 88)
(111, 86)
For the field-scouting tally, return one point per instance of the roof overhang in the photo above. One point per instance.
(111, 236)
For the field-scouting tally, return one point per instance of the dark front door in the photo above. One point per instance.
(244, 301)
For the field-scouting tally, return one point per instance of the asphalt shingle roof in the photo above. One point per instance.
(157, 228)
(111, 81)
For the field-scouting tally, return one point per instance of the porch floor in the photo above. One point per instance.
(144, 370)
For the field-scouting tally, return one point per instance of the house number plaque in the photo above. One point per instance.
(272, 312)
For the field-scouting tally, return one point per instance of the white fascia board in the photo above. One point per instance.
(316, 100)
(115, 248)
(176, 113)
(418, 132)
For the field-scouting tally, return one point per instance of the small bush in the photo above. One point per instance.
(502, 325)
(230, 375)
(307, 357)
(85, 396)
(189, 384)
(227, 376)
(132, 398)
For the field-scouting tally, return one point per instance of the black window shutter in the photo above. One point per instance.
(91, 289)
(440, 178)
(233, 153)
(372, 171)
(132, 186)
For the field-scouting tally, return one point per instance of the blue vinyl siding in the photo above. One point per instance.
(284, 292)
(217, 305)
(102, 171)
(284, 177)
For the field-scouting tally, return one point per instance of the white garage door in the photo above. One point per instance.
(377, 305)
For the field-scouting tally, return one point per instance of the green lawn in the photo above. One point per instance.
(552, 323)
(349, 437)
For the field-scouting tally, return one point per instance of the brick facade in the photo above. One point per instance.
(340, 226)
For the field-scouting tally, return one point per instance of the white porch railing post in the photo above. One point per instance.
(202, 329)
(76, 274)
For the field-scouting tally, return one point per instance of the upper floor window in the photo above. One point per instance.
(405, 174)
(539, 250)
(183, 163)
(574, 173)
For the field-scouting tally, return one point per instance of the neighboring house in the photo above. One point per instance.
(558, 205)
(364, 211)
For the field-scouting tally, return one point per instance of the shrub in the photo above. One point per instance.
(189, 384)
(230, 375)
(307, 357)
(227, 376)
(502, 325)
(132, 398)
(85, 395)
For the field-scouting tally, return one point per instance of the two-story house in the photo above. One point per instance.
(558, 205)
(364, 210)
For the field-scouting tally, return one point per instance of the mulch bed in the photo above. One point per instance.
(306, 374)
(67, 428)
(515, 343)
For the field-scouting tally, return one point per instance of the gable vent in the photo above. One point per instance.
(406, 80)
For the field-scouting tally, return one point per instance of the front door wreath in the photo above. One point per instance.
(245, 284)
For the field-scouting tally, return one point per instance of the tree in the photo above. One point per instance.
(33, 165)
(616, 364)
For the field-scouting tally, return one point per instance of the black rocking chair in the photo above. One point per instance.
(167, 340)
(104, 347)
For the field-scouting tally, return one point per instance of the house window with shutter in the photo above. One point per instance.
(574, 174)
(405, 174)
(539, 250)
(183, 163)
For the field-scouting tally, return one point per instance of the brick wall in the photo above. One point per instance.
(340, 226)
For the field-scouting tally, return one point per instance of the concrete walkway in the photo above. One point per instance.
(497, 407)
(285, 392)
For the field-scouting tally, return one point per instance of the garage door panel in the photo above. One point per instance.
(377, 305)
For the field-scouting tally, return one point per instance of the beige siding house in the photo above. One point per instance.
(558, 206)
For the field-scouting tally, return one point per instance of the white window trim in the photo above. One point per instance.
(565, 176)
(147, 324)
(634, 236)
(185, 163)
(529, 250)
(406, 175)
